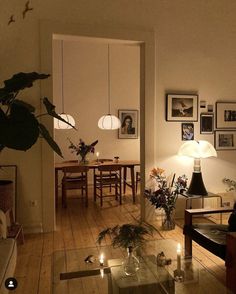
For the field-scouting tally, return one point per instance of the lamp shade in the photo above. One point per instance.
(60, 125)
(197, 149)
(109, 122)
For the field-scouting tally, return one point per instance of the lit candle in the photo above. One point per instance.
(97, 154)
(179, 259)
(101, 260)
(102, 272)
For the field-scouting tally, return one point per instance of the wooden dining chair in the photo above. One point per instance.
(107, 176)
(75, 177)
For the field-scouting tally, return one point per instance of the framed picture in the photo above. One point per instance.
(206, 123)
(187, 131)
(181, 107)
(226, 115)
(129, 124)
(225, 140)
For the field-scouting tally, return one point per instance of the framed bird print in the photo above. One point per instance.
(181, 107)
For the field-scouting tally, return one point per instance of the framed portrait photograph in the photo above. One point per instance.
(129, 124)
(181, 107)
(206, 123)
(187, 131)
(226, 115)
(225, 140)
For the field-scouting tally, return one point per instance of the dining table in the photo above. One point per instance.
(93, 165)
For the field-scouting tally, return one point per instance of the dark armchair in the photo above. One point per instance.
(216, 238)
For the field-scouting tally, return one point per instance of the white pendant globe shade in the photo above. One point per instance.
(109, 122)
(61, 125)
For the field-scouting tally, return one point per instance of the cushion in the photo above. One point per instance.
(210, 236)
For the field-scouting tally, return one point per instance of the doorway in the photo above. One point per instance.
(147, 101)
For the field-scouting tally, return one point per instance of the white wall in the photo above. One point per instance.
(195, 51)
(86, 94)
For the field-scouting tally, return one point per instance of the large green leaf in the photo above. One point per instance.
(18, 82)
(51, 111)
(30, 107)
(22, 80)
(44, 132)
(20, 129)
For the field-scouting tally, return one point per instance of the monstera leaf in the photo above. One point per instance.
(19, 130)
(19, 127)
(51, 111)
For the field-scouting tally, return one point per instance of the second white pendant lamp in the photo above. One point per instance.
(108, 121)
(58, 124)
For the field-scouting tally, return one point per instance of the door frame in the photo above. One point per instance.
(146, 39)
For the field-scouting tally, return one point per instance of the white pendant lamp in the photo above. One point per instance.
(58, 124)
(108, 121)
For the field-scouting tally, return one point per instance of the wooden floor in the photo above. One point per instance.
(78, 227)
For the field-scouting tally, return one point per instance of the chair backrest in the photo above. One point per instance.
(110, 167)
(76, 169)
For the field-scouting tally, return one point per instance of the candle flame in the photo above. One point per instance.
(101, 259)
(97, 154)
(179, 248)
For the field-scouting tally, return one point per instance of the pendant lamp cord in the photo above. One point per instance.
(62, 71)
(108, 71)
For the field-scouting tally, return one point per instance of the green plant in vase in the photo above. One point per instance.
(129, 237)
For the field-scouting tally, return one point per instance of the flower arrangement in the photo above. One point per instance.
(82, 149)
(163, 194)
(230, 183)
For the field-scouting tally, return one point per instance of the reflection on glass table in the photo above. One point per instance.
(72, 274)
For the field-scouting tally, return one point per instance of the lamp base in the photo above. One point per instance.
(197, 186)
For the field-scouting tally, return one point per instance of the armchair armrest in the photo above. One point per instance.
(190, 212)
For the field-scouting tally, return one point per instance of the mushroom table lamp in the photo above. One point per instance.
(197, 150)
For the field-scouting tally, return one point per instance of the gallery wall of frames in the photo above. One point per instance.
(189, 111)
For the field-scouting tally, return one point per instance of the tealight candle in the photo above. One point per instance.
(101, 260)
(179, 259)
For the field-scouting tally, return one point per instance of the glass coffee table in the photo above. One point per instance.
(72, 274)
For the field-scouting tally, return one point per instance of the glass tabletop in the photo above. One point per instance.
(79, 271)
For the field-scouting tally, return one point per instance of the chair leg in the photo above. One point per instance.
(124, 182)
(94, 188)
(86, 195)
(101, 200)
(116, 190)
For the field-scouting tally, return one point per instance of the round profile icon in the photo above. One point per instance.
(11, 283)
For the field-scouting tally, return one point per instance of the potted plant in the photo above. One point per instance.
(20, 126)
(128, 236)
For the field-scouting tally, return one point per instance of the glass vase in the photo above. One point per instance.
(83, 159)
(131, 263)
(168, 220)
